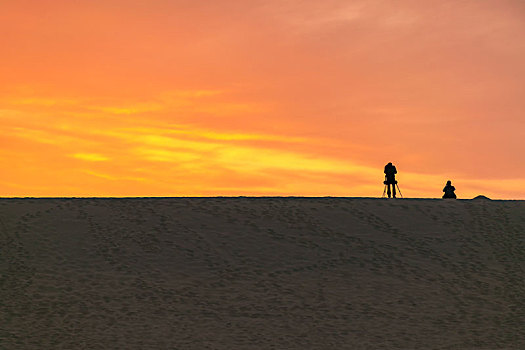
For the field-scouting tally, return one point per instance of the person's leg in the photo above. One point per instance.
(388, 191)
(394, 189)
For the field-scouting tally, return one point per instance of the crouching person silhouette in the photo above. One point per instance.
(390, 179)
(449, 190)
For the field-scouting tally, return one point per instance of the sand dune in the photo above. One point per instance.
(261, 273)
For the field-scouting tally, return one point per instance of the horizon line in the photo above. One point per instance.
(254, 197)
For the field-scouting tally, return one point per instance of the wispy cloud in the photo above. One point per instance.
(90, 157)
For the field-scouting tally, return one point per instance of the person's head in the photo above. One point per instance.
(449, 183)
(389, 164)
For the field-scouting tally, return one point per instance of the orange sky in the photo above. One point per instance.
(235, 97)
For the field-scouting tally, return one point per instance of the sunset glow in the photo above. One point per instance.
(228, 97)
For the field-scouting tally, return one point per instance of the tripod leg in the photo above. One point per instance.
(399, 191)
(384, 191)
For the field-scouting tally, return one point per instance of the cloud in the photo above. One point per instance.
(91, 157)
(165, 155)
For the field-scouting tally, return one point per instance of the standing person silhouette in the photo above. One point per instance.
(390, 179)
(449, 190)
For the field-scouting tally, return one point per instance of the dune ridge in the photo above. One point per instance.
(261, 273)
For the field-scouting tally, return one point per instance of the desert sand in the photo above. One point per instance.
(262, 273)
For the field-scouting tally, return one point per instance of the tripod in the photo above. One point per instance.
(398, 190)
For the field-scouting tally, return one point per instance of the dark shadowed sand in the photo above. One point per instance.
(261, 273)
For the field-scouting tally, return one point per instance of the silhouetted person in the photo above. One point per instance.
(390, 178)
(449, 190)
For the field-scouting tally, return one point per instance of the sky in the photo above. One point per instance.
(261, 97)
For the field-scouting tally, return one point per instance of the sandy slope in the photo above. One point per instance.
(261, 273)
